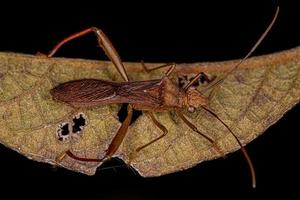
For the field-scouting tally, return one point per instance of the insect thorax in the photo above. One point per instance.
(168, 95)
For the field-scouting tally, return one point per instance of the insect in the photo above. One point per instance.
(150, 96)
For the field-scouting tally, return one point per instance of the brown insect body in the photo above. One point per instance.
(151, 95)
(154, 95)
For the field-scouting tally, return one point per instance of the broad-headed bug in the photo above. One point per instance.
(160, 95)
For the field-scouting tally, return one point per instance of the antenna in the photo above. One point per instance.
(262, 37)
(246, 155)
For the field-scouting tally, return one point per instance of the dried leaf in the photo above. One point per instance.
(250, 100)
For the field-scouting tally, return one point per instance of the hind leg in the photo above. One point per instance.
(113, 147)
(104, 43)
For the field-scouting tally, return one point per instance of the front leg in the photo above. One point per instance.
(195, 129)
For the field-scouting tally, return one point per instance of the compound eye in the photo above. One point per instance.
(191, 109)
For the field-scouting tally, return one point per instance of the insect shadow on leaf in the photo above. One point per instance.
(122, 114)
(150, 96)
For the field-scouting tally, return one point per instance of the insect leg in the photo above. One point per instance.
(192, 81)
(194, 128)
(170, 70)
(113, 147)
(69, 153)
(105, 44)
(160, 126)
(119, 137)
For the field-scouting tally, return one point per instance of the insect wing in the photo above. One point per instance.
(85, 93)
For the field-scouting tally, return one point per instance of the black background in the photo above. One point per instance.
(176, 32)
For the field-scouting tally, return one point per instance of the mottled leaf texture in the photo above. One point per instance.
(250, 100)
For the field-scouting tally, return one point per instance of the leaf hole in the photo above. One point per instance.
(79, 123)
(74, 129)
(63, 131)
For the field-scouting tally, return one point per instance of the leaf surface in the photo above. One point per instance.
(250, 100)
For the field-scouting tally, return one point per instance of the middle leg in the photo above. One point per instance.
(160, 126)
(170, 70)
